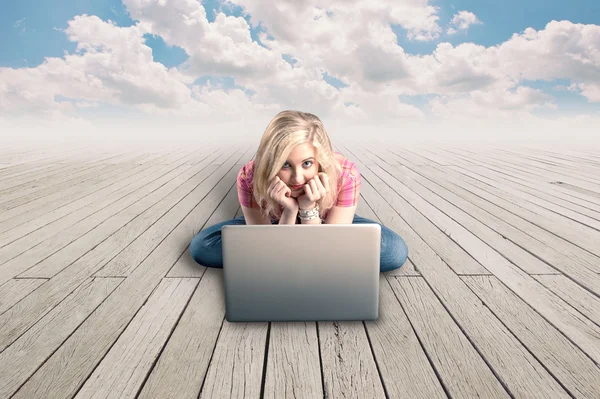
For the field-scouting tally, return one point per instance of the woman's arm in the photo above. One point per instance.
(254, 216)
(288, 217)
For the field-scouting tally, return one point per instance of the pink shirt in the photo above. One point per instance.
(347, 191)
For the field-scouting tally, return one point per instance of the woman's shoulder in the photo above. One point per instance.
(348, 167)
(246, 173)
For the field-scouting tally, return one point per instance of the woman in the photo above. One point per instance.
(297, 178)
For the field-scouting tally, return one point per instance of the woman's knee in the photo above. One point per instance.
(402, 252)
(198, 247)
(396, 252)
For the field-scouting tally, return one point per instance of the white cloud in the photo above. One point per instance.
(113, 65)
(591, 91)
(491, 104)
(461, 22)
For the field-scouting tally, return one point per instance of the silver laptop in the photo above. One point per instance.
(301, 272)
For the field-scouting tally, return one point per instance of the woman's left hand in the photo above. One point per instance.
(315, 189)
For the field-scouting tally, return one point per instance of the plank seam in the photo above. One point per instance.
(147, 376)
(66, 339)
(437, 374)
(517, 337)
(263, 380)
(466, 336)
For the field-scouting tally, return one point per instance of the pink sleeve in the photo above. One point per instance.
(350, 189)
(244, 188)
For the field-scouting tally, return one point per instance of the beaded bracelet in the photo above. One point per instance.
(309, 214)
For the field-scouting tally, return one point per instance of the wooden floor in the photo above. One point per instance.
(500, 297)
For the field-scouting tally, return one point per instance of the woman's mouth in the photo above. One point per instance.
(297, 187)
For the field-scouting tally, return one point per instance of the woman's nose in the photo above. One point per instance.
(297, 178)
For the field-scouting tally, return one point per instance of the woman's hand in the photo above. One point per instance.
(315, 189)
(282, 194)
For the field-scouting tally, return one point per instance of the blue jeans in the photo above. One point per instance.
(206, 248)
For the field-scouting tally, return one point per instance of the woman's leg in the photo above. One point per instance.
(394, 250)
(206, 246)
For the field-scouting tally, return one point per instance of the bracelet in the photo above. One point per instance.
(309, 214)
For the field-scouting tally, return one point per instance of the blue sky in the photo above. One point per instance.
(503, 18)
(31, 31)
(27, 43)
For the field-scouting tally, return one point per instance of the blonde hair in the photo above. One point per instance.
(287, 130)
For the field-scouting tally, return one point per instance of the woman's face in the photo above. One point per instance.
(301, 166)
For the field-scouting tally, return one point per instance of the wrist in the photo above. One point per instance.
(307, 206)
(291, 211)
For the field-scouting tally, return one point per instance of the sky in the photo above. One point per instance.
(389, 68)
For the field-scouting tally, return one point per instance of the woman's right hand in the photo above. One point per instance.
(282, 194)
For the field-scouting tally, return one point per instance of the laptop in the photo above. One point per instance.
(326, 272)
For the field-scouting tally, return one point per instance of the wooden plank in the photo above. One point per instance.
(133, 255)
(23, 208)
(523, 180)
(578, 264)
(141, 230)
(20, 360)
(448, 348)
(570, 188)
(408, 269)
(486, 237)
(237, 363)
(565, 157)
(580, 298)
(534, 190)
(44, 155)
(463, 216)
(575, 232)
(581, 229)
(52, 238)
(576, 176)
(577, 191)
(579, 157)
(30, 173)
(577, 373)
(583, 332)
(56, 173)
(555, 172)
(15, 170)
(293, 367)
(16, 289)
(559, 205)
(446, 248)
(102, 244)
(349, 369)
(520, 372)
(135, 252)
(73, 362)
(570, 163)
(185, 265)
(182, 366)
(81, 215)
(364, 210)
(41, 206)
(404, 367)
(14, 189)
(123, 371)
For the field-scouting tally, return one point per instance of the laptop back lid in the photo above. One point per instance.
(301, 272)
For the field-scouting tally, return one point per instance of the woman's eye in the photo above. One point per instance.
(285, 165)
